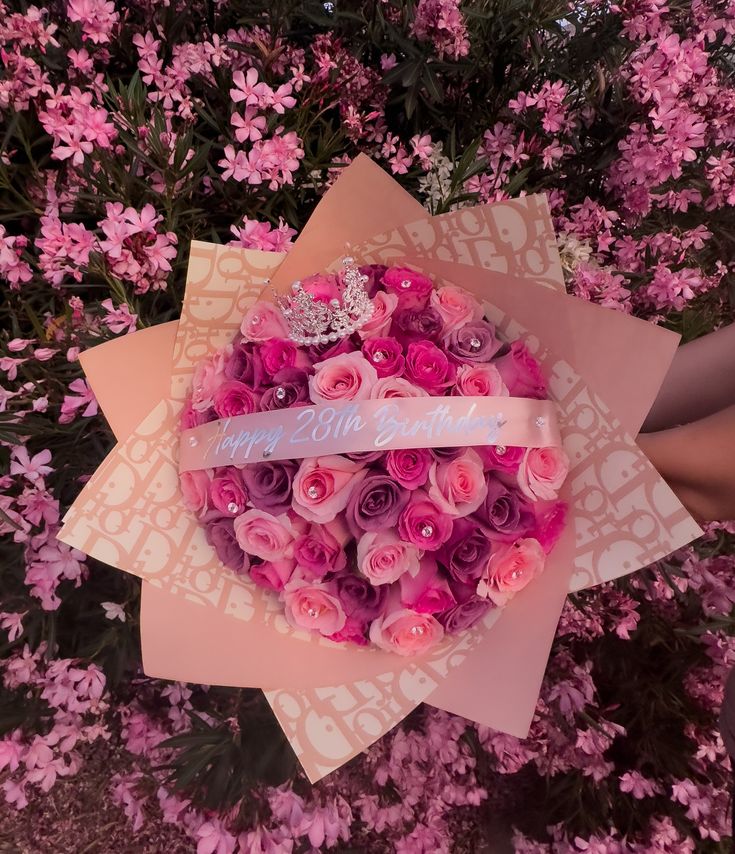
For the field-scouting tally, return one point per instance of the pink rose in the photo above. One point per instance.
(190, 417)
(428, 366)
(234, 398)
(406, 632)
(456, 306)
(323, 486)
(353, 631)
(346, 377)
(458, 486)
(479, 380)
(510, 569)
(501, 457)
(385, 355)
(389, 387)
(318, 552)
(208, 375)
(542, 472)
(272, 574)
(227, 492)
(522, 373)
(262, 321)
(383, 558)
(412, 288)
(423, 523)
(277, 354)
(314, 607)
(265, 536)
(426, 592)
(322, 287)
(384, 305)
(409, 466)
(195, 490)
(550, 521)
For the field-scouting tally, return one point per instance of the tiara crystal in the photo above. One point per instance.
(312, 321)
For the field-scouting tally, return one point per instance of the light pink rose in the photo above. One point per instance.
(456, 306)
(323, 485)
(262, 321)
(406, 632)
(510, 568)
(427, 592)
(195, 490)
(383, 558)
(542, 472)
(479, 380)
(384, 304)
(265, 536)
(208, 375)
(458, 486)
(396, 387)
(348, 376)
(272, 574)
(313, 607)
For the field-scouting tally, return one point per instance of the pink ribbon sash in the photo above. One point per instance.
(370, 425)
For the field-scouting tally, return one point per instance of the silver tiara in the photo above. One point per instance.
(312, 321)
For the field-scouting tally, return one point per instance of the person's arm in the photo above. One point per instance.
(698, 461)
(701, 381)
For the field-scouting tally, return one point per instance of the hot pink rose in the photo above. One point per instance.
(479, 380)
(412, 288)
(458, 486)
(426, 592)
(383, 558)
(406, 632)
(501, 457)
(262, 321)
(348, 376)
(321, 287)
(550, 521)
(384, 304)
(272, 574)
(423, 523)
(277, 354)
(428, 366)
(234, 398)
(353, 631)
(390, 387)
(385, 355)
(227, 492)
(456, 306)
(542, 472)
(208, 375)
(323, 485)
(195, 490)
(521, 372)
(318, 552)
(265, 536)
(510, 569)
(314, 607)
(409, 466)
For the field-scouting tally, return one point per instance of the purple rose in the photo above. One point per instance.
(474, 342)
(375, 504)
(320, 352)
(418, 324)
(364, 457)
(374, 273)
(359, 598)
(446, 454)
(269, 485)
(466, 553)
(505, 514)
(470, 608)
(290, 388)
(428, 367)
(317, 552)
(409, 466)
(220, 534)
(385, 355)
(246, 366)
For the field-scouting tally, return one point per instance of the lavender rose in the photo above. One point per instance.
(505, 513)
(466, 553)
(474, 342)
(359, 598)
(290, 388)
(374, 273)
(470, 608)
(246, 366)
(375, 504)
(418, 324)
(269, 485)
(220, 533)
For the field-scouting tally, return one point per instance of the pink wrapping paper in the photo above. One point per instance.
(338, 701)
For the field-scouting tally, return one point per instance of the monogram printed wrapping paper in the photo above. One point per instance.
(200, 622)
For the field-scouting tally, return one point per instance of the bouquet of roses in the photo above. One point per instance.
(396, 547)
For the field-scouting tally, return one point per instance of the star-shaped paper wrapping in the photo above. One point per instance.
(200, 622)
